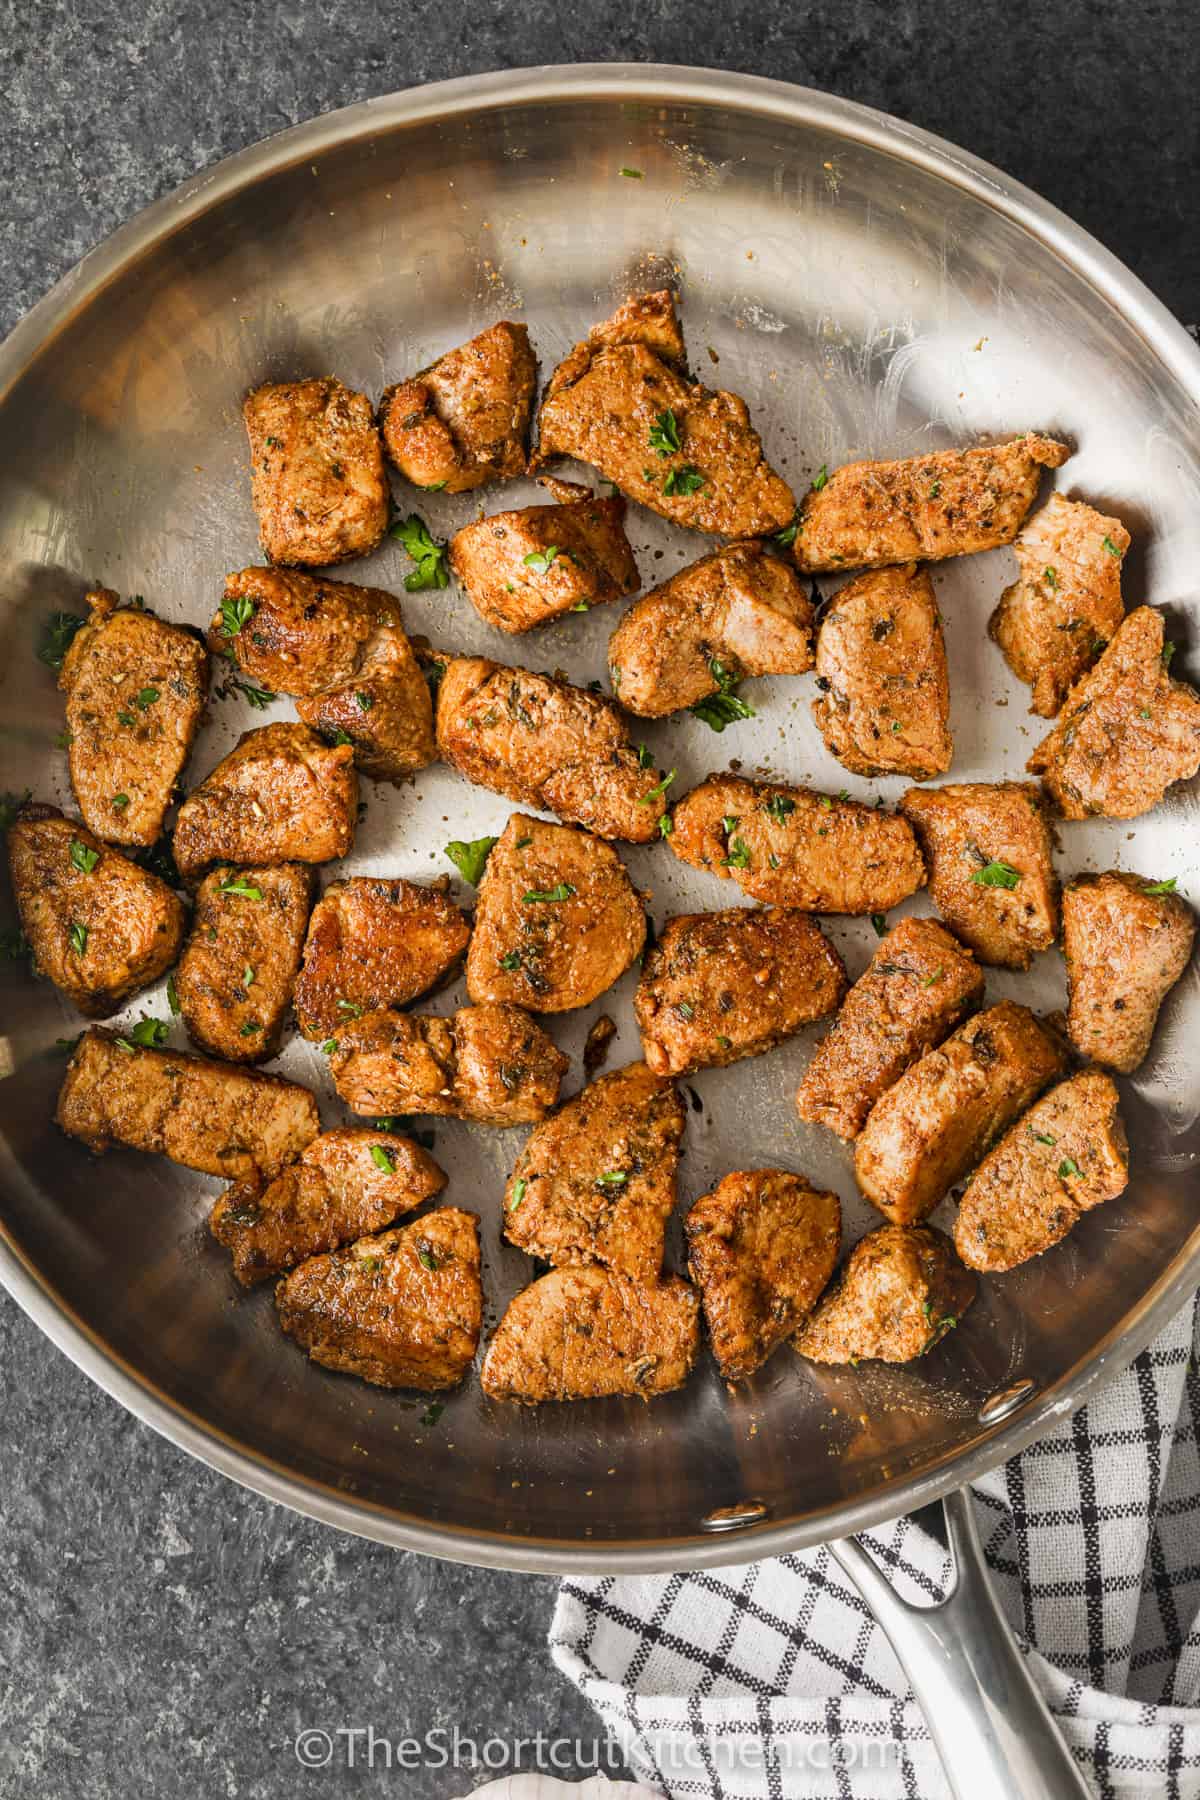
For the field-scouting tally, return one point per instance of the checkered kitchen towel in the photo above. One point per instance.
(772, 1680)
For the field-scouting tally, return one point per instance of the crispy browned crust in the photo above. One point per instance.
(374, 942)
(238, 968)
(281, 795)
(493, 1064)
(1126, 947)
(464, 421)
(901, 1290)
(523, 568)
(316, 471)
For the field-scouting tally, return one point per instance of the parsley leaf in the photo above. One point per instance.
(1041, 1137)
(79, 937)
(820, 478)
(615, 1178)
(664, 434)
(425, 551)
(562, 890)
(787, 537)
(350, 1009)
(1110, 546)
(237, 884)
(57, 634)
(173, 996)
(1068, 1166)
(996, 874)
(146, 697)
(383, 1159)
(519, 1191)
(1161, 887)
(150, 1033)
(723, 707)
(880, 923)
(739, 855)
(540, 561)
(658, 790)
(633, 174)
(82, 858)
(511, 960)
(1050, 577)
(236, 614)
(687, 479)
(470, 858)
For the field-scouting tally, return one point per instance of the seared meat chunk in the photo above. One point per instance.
(1054, 621)
(737, 612)
(991, 876)
(237, 971)
(464, 421)
(1126, 942)
(901, 1291)
(584, 1334)
(99, 926)
(881, 665)
(761, 1248)
(523, 568)
(1068, 1154)
(723, 985)
(540, 741)
(679, 449)
(238, 1123)
(346, 1183)
(136, 689)
(374, 943)
(557, 919)
(341, 651)
(596, 1182)
(402, 1310)
(316, 471)
(951, 503)
(281, 795)
(789, 846)
(493, 1064)
(1126, 732)
(932, 1127)
(917, 987)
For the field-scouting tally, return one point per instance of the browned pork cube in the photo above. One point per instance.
(881, 667)
(557, 919)
(923, 508)
(791, 846)
(761, 1247)
(901, 1291)
(100, 928)
(493, 1064)
(1126, 731)
(737, 612)
(136, 689)
(464, 421)
(539, 741)
(1068, 1154)
(1127, 940)
(723, 985)
(917, 987)
(347, 1182)
(991, 875)
(316, 471)
(402, 1310)
(683, 451)
(373, 943)
(209, 1116)
(521, 569)
(584, 1334)
(238, 969)
(947, 1110)
(281, 795)
(596, 1182)
(341, 651)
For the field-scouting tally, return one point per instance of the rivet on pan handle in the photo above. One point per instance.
(733, 1518)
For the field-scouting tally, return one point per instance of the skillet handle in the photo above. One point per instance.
(995, 1736)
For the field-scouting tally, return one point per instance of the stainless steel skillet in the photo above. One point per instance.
(870, 289)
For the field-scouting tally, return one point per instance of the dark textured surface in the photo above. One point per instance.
(162, 1632)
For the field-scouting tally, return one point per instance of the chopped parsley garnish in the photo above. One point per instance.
(685, 1009)
(82, 858)
(470, 858)
(723, 707)
(146, 698)
(511, 960)
(739, 855)
(540, 561)
(173, 996)
(258, 697)
(1110, 546)
(249, 975)
(124, 1044)
(1068, 1166)
(13, 944)
(562, 890)
(350, 1009)
(150, 1033)
(666, 824)
(932, 980)
(57, 634)
(125, 718)
(645, 756)
(1168, 651)
(237, 884)
(432, 1413)
(1041, 1137)
(935, 490)
(520, 1189)
(236, 614)
(820, 478)
(329, 1046)
(658, 790)
(1050, 577)
(120, 801)
(523, 843)
(250, 1028)
(337, 738)
(426, 1258)
(687, 479)
(787, 537)
(1161, 887)
(996, 874)
(633, 175)
(614, 1178)
(880, 924)
(779, 807)
(664, 434)
(425, 551)
(383, 1159)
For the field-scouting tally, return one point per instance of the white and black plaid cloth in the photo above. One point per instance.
(772, 1680)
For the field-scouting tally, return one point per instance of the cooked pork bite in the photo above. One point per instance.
(464, 421)
(1126, 731)
(1055, 620)
(881, 667)
(761, 1247)
(584, 1334)
(341, 651)
(1068, 1154)
(100, 928)
(493, 1064)
(281, 795)
(402, 1310)
(792, 847)
(238, 968)
(951, 503)
(737, 612)
(991, 876)
(540, 741)
(1127, 940)
(374, 943)
(523, 568)
(723, 985)
(917, 987)
(238, 1123)
(347, 1182)
(936, 1122)
(557, 919)
(596, 1182)
(679, 449)
(316, 471)
(901, 1291)
(136, 689)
